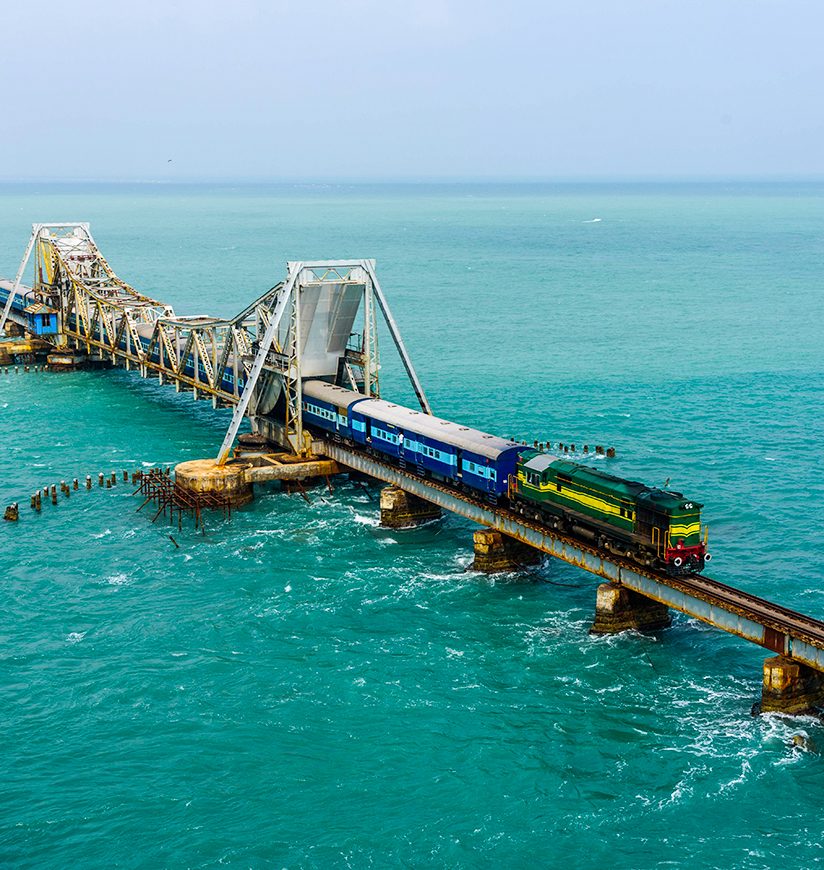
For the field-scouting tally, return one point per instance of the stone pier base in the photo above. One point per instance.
(206, 476)
(496, 552)
(402, 510)
(620, 609)
(790, 687)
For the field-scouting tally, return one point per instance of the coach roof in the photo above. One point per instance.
(445, 431)
(339, 396)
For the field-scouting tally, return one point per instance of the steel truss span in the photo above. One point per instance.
(321, 321)
(104, 316)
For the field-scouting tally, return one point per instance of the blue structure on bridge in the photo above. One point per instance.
(29, 311)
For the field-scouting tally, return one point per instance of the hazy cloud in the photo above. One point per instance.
(422, 88)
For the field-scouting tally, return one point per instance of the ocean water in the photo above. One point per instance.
(298, 687)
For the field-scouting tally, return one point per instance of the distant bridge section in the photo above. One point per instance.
(321, 321)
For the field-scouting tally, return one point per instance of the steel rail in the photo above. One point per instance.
(803, 636)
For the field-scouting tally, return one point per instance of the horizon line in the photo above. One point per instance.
(431, 180)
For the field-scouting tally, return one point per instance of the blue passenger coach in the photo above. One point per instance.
(447, 450)
(326, 406)
(430, 445)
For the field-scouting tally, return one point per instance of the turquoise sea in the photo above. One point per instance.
(300, 688)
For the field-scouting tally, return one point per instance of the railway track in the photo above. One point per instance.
(782, 620)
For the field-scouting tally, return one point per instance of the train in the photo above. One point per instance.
(654, 527)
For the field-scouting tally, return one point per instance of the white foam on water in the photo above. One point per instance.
(75, 636)
(593, 221)
(287, 588)
(442, 577)
(118, 579)
(103, 534)
(366, 520)
(608, 690)
(726, 786)
(684, 787)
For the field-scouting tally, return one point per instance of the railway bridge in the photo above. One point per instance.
(321, 322)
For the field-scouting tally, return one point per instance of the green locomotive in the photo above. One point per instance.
(652, 526)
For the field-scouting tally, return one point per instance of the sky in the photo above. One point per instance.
(378, 90)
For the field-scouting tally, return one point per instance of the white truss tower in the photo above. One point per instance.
(311, 333)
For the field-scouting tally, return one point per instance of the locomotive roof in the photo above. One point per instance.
(482, 443)
(596, 476)
(664, 499)
(539, 461)
(661, 499)
(331, 393)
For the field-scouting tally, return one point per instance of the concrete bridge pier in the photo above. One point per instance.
(496, 552)
(790, 687)
(620, 609)
(402, 510)
(205, 476)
